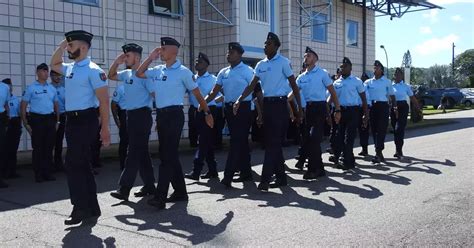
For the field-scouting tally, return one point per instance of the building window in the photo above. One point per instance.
(257, 10)
(166, 7)
(320, 27)
(85, 2)
(352, 33)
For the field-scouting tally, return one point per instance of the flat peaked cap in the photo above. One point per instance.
(273, 37)
(42, 66)
(346, 60)
(132, 47)
(168, 41)
(236, 46)
(204, 57)
(309, 50)
(79, 35)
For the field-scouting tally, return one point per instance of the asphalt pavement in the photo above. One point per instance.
(423, 200)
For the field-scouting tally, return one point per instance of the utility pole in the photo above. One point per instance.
(452, 63)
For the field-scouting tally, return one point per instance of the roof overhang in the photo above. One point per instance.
(394, 8)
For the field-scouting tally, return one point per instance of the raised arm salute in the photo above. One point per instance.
(85, 82)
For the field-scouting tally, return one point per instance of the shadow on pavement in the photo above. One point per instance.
(81, 236)
(175, 221)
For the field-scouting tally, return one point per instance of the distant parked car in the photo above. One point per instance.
(468, 99)
(433, 97)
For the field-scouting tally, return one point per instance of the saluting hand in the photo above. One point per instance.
(235, 107)
(63, 44)
(121, 58)
(210, 121)
(155, 53)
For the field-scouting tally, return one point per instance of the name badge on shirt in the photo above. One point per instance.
(70, 75)
(41, 92)
(129, 81)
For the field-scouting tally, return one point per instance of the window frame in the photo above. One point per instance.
(97, 4)
(267, 6)
(325, 24)
(151, 10)
(356, 33)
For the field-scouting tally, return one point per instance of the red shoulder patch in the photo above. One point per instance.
(103, 76)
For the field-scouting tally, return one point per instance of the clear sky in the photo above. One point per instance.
(427, 34)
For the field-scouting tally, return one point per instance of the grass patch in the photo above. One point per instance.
(429, 123)
(432, 111)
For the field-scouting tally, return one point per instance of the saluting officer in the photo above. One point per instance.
(348, 89)
(274, 72)
(138, 103)
(313, 83)
(85, 82)
(170, 82)
(4, 109)
(206, 134)
(42, 121)
(119, 113)
(57, 81)
(13, 133)
(379, 88)
(232, 80)
(403, 93)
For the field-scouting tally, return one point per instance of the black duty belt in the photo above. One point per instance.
(275, 99)
(311, 103)
(78, 113)
(379, 102)
(169, 109)
(36, 115)
(139, 109)
(230, 104)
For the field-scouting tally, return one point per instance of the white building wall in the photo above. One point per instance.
(31, 29)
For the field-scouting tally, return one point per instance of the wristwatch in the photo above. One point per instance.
(337, 110)
(207, 113)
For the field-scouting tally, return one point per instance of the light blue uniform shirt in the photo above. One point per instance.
(119, 96)
(170, 84)
(81, 80)
(4, 96)
(14, 105)
(137, 90)
(314, 84)
(367, 97)
(379, 89)
(205, 83)
(274, 75)
(402, 91)
(348, 89)
(41, 97)
(234, 81)
(61, 98)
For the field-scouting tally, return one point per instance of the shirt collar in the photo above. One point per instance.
(83, 62)
(401, 82)
(203, 76)
(176, 65)
(315, 69)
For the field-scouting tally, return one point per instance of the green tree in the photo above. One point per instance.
(464, 68)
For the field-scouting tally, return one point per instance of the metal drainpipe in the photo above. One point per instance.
(191, 35)
(104, 32)
(364, 38)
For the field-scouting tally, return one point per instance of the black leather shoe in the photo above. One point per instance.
(209, 175)
(363, 153)
(313, 175)
(263, 186)
(177, 197)
(278, 184)
(121, 194)
(299, 165)
(144, 191)
(243, 178)
(77, 216)
(155, 202)
(3, 184)
(334, 159)
(380, 155)
(226, 182)
(192, 176)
